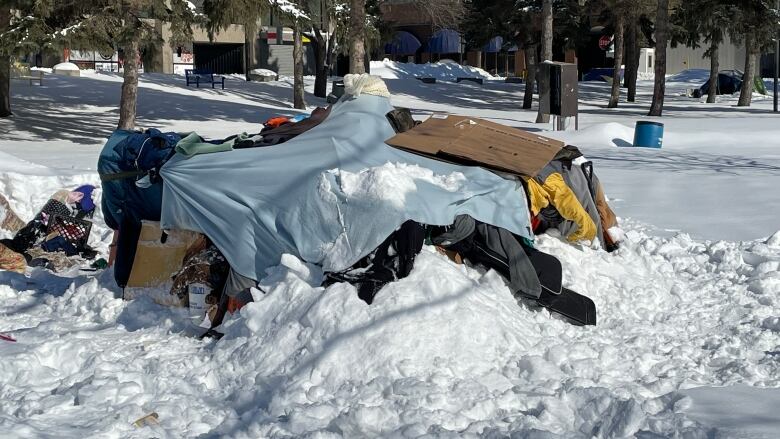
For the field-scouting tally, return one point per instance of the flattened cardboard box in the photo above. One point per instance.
(478, 142)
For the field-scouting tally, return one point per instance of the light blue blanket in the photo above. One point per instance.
(329, 196)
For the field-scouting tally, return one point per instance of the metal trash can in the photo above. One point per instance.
(338, 88)
(336, 92)
(649, 134)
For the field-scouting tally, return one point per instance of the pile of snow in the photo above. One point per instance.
(391, 182)
(65, 66)
(262, 72)
(446, 70)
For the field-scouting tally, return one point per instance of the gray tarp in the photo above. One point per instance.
(308, 196)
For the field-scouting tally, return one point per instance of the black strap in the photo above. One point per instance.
(121, 175)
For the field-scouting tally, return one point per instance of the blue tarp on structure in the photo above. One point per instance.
(403, 43)
(598, 74)
(305, 196)
(444, 41)
(494, 45)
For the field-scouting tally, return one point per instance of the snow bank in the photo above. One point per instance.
(751, 412)
(442, 71)
(445, 350)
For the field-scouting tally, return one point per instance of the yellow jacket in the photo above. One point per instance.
(555, 191)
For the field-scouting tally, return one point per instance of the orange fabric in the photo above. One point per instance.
(276, 121)
(608, 218)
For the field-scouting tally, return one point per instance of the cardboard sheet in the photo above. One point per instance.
(478, 142)
(155, 263)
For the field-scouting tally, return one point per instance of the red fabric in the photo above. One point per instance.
(234, 305)
(535, 222)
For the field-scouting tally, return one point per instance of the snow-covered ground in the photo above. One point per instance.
(689, 309)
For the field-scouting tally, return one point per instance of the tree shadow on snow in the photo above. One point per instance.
(61, 109)
(672, 161)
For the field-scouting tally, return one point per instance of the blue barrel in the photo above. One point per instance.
(649, 134)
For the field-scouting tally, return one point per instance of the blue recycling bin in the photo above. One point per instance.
(649, 134)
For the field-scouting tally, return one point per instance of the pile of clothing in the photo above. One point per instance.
(57, 234)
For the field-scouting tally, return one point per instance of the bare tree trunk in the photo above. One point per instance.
(530, 77)
(320, 46)
(5, 70)
(129, 97)
(619, 29)
(547, 55)
(250, 30)
(298, 101)
(746, 94)
(357, 36)
(631, 60)
(661, 41)
(5, 86)
(547, 30)
(714, 69)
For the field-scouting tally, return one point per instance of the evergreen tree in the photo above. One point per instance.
(703, 21)
(622, 17)
(517, 22)
(755, 23)
(220, 14)
(26, 26)
(127, 25)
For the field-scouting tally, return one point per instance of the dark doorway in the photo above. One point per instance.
(221, 58)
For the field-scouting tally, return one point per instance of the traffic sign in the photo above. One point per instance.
(604, 42)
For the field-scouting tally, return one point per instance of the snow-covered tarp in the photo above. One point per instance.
(330, 195)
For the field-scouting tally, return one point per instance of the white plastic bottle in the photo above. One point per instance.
(197, 300)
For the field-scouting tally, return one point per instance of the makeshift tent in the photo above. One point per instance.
(403, 43)
(329, 196)
(494, 45)
(445, 41)
(729, 82)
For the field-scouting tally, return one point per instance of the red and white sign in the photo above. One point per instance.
(604, 42)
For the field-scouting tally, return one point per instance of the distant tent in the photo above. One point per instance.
(444, 41)
(403, 43)
(494, 45)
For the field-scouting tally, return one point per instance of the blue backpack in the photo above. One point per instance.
(147, 151)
